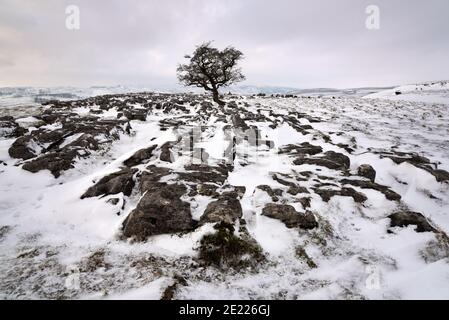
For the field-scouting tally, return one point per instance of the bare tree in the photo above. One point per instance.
(211, 69)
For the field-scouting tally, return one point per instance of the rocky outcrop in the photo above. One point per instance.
(54, 162)
(289, 216)
(235, 192)
(21, 150)
(171, 290)
(273, 193)
(440, 175)
(204, 173)
(305, 202)
(224, 249)
(406, 218)
(417, 161)
(9, 128)
(62, 159)
(160, 211)
(36, 142)
(92, 125)
(293, 189)
(330, 159)
(327, 194)
(135, 114)
(151, 176)
(139, 156)
(205, 189)
(304, 148)
(388, 193)
(3, 231)
(238, 122)
(367, 171)
(226, 209)
(114, 183)
(57, 150)
(166, 153)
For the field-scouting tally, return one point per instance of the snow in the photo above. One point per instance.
(151, 291)
(27, 122)
(47, 213)
(433, 92)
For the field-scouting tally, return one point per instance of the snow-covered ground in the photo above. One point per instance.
(429, 92)
(53, 244)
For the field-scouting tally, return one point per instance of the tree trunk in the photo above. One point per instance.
(216, 97)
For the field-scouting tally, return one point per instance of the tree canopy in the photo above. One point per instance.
(211, 69)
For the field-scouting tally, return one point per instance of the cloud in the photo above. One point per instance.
(286, 42)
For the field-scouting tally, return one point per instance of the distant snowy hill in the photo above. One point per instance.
(432, 92)
(248, 90)
(32, 96)
(330, 92)
(19, 96)
(22, 96)
(429, 92)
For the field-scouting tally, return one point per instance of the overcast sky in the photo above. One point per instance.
(292, 43)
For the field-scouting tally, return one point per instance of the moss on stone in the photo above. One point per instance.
(302, 254)
(224, 249)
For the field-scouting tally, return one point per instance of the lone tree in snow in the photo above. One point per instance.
(211, 69)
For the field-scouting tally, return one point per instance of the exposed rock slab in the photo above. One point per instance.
(301, 149)
(417, 161)
(289, 216)
(330, 159)
(367, 171)
(406, 218)
(166, 153)
(327, 194)
(160, 211)
(114, 183)
(226, 209)
(224, 249)
(139, 156)
(388, 193)
(273, 193)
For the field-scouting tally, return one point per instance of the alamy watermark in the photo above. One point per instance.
(72, 20)
(372, 21)
(72, 281)
(372, 281)
(231, 145)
